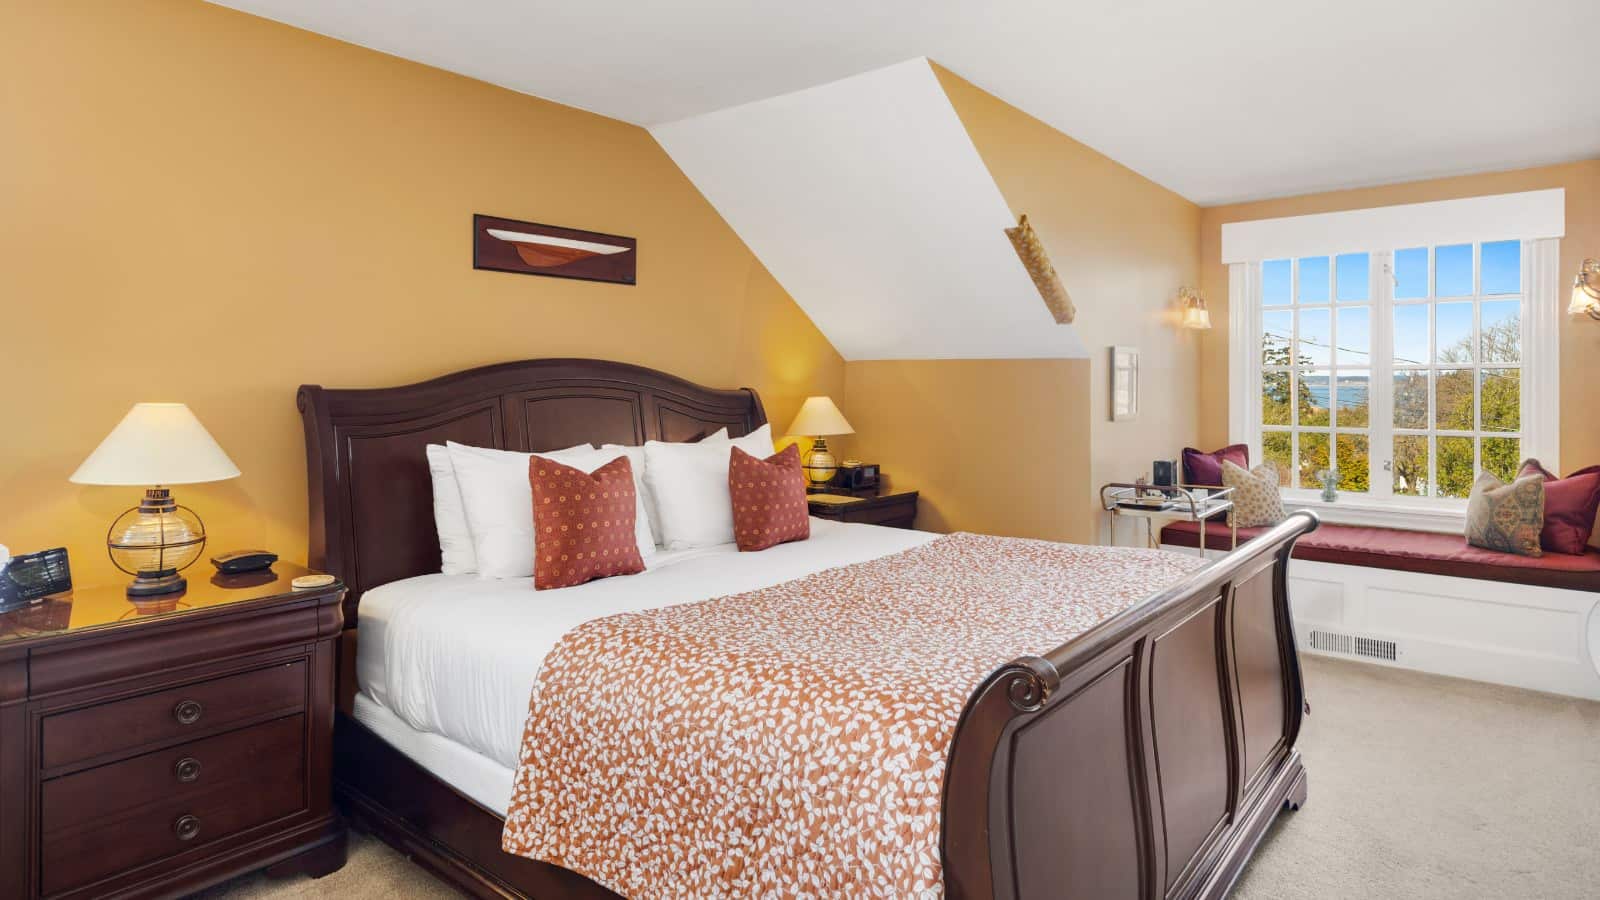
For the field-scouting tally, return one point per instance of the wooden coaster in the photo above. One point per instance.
(308, 582)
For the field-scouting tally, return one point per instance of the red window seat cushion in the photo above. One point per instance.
(1413, 551)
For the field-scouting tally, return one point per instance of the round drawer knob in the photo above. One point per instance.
(187, 828)
(188, 712)
(187, 769)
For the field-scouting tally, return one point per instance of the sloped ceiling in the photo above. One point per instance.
(868, 202)
(1220, 102)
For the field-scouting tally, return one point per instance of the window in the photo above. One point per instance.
(1407, 367)
(1453, 384)
(1316, 368)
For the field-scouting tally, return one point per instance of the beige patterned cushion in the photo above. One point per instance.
(1506, 517)
(1256, 500)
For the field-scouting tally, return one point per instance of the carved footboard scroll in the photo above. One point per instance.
(1144, 759)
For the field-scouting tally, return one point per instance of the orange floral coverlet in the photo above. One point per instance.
(791, 741)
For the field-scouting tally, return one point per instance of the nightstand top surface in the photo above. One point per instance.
(95, 608)
(826, 499)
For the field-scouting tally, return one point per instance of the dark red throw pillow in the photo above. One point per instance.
(1205, 469)
(769, 499)
(583, 523)
(1569, 507)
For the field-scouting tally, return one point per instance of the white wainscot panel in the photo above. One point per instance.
(1534, 637)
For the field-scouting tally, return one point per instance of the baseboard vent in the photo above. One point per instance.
(1351, 645)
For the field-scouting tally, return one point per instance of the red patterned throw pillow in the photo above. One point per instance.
(583, 523)
(1569, 507)
(769, 499)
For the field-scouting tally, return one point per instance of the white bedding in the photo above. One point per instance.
(456, 655)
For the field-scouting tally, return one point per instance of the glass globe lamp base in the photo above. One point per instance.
(154, 584)
(819, 464)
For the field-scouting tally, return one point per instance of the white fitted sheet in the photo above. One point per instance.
(471, 773)
(456, 655)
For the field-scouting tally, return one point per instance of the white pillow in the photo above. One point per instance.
(456, 556)
(689, 483)
(499, 504)
(642, 486)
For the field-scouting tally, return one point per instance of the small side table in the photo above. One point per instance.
(896, 510)
(1120, 499)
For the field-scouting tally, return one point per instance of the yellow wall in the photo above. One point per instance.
(1580, 338)
(199, 205)
(1123, 246)
(993, 446)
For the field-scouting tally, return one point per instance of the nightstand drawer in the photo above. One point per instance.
(176, 773)
(194, 709)
(103, 843)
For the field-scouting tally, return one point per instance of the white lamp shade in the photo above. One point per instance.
(157, 444)
(818, 416)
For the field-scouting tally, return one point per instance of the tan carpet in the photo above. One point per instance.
(1421, 787)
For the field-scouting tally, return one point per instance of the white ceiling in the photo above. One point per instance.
(832, 187)
(1221, 101)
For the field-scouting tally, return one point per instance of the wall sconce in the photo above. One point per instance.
(1586, 290)
(1195, 314)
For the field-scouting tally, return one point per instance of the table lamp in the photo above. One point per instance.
(817, 418)
(156, 444)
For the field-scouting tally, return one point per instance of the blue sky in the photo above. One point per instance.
(1346, 279)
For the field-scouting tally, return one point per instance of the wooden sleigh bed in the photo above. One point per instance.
(1146, 758)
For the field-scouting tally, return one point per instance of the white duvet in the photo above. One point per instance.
(456, 655)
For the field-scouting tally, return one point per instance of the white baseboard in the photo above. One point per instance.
(1544, 639)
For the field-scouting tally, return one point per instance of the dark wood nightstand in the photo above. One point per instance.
(896, 510)
(155, 749)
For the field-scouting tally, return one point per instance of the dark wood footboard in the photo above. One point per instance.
(1144, 759)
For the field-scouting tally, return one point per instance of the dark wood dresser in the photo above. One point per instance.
(896, 510)
(154, 749)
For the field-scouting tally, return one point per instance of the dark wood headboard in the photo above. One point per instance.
(367, 472)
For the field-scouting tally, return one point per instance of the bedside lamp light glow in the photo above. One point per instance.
(156, 444)
(819, 417)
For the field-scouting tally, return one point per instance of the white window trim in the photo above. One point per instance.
(1540, 216)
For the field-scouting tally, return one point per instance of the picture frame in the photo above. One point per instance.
(1124, 383)
(531, 248)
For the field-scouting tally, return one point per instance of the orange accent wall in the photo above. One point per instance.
(1580, 338)
(204, 206)
(1021, 446)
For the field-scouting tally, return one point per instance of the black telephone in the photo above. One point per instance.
(244, 561)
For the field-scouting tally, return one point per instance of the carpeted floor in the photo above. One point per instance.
(1421, 787)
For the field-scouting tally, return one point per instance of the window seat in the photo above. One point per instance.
(1424, 552)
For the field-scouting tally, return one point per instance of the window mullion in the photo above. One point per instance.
(1380, 389)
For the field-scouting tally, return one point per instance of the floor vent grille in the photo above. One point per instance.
(1350, 645)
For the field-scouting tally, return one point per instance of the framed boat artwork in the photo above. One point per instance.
(528, 248)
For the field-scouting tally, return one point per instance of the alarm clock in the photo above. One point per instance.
(855, 476)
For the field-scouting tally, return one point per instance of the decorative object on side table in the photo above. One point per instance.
(1124, 384)
(1330, 484)
(156, 444)
(818, 418)
(896, 510)
(168, 743)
